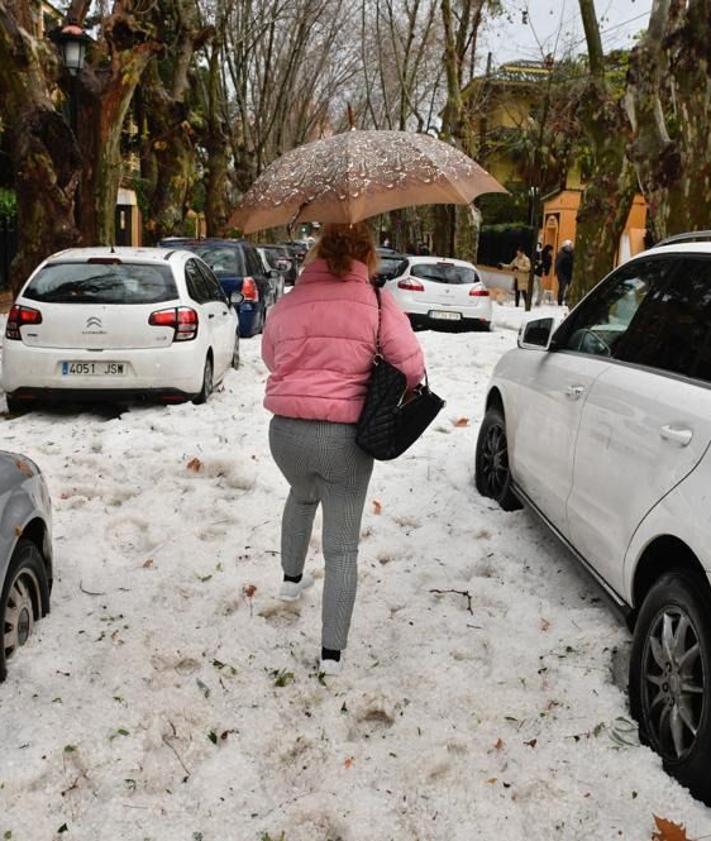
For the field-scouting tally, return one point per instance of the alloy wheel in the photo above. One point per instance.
(494, 460)
(19, 618)
(673, 682)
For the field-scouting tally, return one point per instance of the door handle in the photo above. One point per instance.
(679, 436)
(575, 392)
(212, 315)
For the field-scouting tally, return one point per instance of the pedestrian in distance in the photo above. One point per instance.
(521, 266)
(541, 266)
(564, 269)
(319, 344)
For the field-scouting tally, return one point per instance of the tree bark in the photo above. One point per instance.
(42, 149)
(611, 188)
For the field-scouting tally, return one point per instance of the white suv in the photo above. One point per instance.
(100, 323)
(436, 292)
(602, 425)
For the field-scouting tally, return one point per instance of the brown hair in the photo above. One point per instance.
(339, 245)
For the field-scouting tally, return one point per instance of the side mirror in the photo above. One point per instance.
(537, 334)
(236, 298)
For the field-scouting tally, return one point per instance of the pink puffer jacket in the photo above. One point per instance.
(319, 343)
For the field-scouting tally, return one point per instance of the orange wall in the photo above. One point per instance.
(559, 223)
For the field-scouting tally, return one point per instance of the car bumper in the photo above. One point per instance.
(32, 372)
(426, 321)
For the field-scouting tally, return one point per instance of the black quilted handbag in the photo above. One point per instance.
(393, 419)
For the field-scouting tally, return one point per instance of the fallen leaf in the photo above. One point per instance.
(377, 506)
(499, 743)
(492, 780)
(669, 831)
(18, 531)
(545, 624)
(532, 743)
(23, 467)
(460, 422)
(148, 564)
(195, 465)
(349, 762)
(249, 590)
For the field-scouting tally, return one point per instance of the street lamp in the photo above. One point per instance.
(71, 41)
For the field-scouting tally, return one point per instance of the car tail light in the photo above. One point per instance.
(250, 291)
(18, 317)
(182, 319)
(478, 292)
(410, 284)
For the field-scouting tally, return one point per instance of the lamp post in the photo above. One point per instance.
(72, 41)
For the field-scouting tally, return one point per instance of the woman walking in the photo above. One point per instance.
(319, 344)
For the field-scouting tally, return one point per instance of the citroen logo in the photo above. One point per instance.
(93, 321)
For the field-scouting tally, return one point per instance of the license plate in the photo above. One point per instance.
(93, 369)
(446, 316)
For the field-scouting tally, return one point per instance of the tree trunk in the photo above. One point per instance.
(611, 188)
(43, 151)
(467, 222)
(104, 96)
(217, 211)
(667, 99)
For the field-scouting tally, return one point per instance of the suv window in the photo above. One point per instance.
(102, 283)
(600, 325)
(444, 273)
(672, 331)
(222, 259)
(197, 285)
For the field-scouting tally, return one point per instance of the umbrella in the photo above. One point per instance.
(351, 176)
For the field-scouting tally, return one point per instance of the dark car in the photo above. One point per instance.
(298, 250)
(239, 268)
(283, 261)
(391, 265)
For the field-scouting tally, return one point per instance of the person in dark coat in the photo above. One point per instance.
(564, 269)
(541, 266)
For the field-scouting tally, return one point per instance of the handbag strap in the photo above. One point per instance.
(378, 346)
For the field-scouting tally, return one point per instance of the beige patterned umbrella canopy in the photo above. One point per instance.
(351, 176)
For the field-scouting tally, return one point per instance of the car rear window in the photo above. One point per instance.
(444, 273)
(99, 283)
(222, 260)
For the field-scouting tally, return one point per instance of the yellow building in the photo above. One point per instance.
(502, 104)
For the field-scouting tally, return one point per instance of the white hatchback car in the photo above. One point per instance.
(602, 425)
(434, 291)
(100, 323)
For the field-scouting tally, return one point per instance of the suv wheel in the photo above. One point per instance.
(493, 478)
(24, 598)
(670, 677)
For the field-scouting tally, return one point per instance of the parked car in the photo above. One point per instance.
(391, 265)
(602, 425)
(298, 250)
(239, 268)
(441, 292)
(280, 259)
(275, 275)
(100, 323)
(25, 553)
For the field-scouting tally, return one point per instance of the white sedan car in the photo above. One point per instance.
(436, 292)
(602, 425)
(108, 324)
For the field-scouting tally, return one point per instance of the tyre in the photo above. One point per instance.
(207, 382)
(670, 677)
(14, 406)
(24, 600)
(492, 477)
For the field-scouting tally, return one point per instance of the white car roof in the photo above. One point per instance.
(677, 248)
(145, 255)
(433, 260)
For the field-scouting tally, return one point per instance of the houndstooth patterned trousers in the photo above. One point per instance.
(323, 464)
